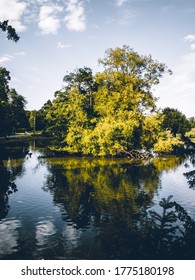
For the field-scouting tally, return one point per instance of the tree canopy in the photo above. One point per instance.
(12, 106)
(112, 112)
(175, 121)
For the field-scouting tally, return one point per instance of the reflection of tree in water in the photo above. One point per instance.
(113, 199)
(6, 187)
(99, 187)
(11, 166)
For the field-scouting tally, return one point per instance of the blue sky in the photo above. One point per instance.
(57, 36)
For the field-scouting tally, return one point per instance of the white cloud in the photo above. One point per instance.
(6, 58)
(48, 22)
(190, 38)
(62, 46)
(75, 20)
(9, 234)
(179, 89)
(44, 230)
(120, 2)
(13, 10)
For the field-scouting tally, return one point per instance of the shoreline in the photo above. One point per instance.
(22, 137)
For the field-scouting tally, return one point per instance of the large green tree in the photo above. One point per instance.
(110, 113)
(132, 76)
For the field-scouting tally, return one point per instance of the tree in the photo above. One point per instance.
(175, 121)
(132, 76)
(82, 79)
(37, 118)
(112, 112)
(18, 103)
(4, 84)
(32, 120)
(124, 101)
(72, 108)
(5, 109)
(12, 105)
(192, 122)
(6, 113)
(11, 32)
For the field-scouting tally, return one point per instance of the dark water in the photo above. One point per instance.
(87, 208)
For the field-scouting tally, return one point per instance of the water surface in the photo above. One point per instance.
(88, 208)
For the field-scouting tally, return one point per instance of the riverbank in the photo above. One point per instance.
(18, 137)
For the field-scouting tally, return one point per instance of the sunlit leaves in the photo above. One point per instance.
(167, 142)
(112, 112)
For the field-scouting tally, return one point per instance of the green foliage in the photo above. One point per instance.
(32, 120)
(4, 87)
(113, 112)
(191, 133)
(19, 118)
(37, 118)
(192, 122)
(166, 143)
(12, 107)
(111, 136)
(5, 110)
(175, 121)
(151, 129)
(5, 118)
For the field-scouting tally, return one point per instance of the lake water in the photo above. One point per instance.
(91, 208)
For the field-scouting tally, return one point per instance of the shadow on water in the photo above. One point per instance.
(11, 167)
(107, 209)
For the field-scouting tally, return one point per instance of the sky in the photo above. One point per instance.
(58, 36)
